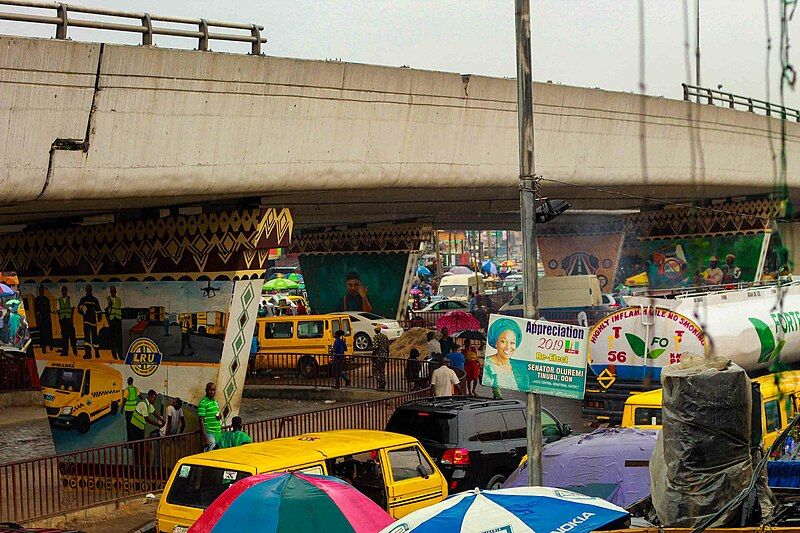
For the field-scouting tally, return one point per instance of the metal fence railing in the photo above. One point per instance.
(735, 101)
(146, 23)
(362, 371)
(18, 374)
(37, 488)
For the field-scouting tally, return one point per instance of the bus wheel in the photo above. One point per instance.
(114, 408)
(82, 423)
(307, 367)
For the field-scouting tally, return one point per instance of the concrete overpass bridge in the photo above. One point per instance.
(89, 129)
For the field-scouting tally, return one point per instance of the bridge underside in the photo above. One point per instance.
(88, 129)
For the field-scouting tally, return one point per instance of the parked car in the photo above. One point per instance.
(11, 527)
(476, 442)
(363, 325)
(445, 306)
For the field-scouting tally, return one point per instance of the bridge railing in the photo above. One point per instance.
(734, 101)
(145, 24)
(37, 488)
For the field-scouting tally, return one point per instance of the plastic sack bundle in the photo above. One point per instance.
(702, 457)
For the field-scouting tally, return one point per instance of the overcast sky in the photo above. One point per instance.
(592, 43)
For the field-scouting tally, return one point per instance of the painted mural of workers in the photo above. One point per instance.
(89, 308)
(356, 297)
(186, 339)
(44, 320)
(114, 314)
(65, 312)
(732, 272)
(714, 274)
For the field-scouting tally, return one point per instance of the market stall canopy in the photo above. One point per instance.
(458, 321)
(460, 270)
(423, 271)
(280, 284)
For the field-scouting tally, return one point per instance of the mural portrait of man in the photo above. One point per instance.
(356, 298)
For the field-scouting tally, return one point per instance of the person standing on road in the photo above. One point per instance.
(114, 313)
(434, 348)
(89, 308)
(380, 352)
(131, 401)
(44, 320)
(65, 312)
(174, 423)
(339, 363)
(234, 437)
(446, 342)
(456, 358)
(145, 413)
(413, 368)
(210, 417)
(444, 380)
(472, 368)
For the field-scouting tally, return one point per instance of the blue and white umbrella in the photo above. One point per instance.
(517, 510)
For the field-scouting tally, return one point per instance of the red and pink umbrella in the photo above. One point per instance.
(288, 502)
(458, 321)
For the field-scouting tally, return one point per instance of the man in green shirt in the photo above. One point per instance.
(209, 415)
(234, 437)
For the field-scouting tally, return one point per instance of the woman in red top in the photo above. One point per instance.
(473, 370)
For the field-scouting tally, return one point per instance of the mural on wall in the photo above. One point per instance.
(95, 340)
(355, 282)
(575, 255)
(706, 260)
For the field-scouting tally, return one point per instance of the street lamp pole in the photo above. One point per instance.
(697, 47)
(527, 198)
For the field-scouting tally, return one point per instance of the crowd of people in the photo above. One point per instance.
(446, 359)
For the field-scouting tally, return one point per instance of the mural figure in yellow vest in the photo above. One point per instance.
(131, 400)
(186, 330)
(65, 312)
(114, 313)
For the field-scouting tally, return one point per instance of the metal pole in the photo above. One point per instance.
(438, 256)
(697, 48)
(527, 199)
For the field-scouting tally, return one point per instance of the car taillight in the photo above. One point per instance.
(453, 485)
(455, 456)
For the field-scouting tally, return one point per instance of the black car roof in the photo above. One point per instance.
(459, 403)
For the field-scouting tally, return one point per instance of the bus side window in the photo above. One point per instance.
(772, 415)
(86, 385)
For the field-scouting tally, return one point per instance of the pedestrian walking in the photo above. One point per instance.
(413, 369)
(65, 313)
(234, 437)
(254, 347)
(380, 352)
(174, 422)
(456, 358)
(210, 417)
(89, 309)
(114, 314)
(446, 342)
(444, 380)
(301, 308)
(339, 363)
(472, 368)
(434, 348)
(131, 401)
(44, 320)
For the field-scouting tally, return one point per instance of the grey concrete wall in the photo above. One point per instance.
(176, 124)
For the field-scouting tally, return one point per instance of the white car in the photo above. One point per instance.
(445, 306)
(363, 325)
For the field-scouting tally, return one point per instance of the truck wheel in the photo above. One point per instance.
(362, 342)
(83, 423)
(114, 408)
(308, 367)
(496, 482)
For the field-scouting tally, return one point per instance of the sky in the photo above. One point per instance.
(591, 43)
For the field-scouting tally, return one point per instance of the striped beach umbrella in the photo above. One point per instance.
(518, 510)
(290, 502)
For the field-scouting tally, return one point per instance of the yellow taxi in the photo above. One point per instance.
(304, 342)
(392, 470)
(778, 406)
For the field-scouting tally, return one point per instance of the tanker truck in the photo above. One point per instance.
(754, 326)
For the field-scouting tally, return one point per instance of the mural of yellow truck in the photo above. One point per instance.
(76, 394)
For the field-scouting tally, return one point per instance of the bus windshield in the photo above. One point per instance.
(62, 378)
(454, 291)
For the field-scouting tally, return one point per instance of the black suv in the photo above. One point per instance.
(476, 442)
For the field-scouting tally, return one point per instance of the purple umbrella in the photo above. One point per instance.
(612, 464)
